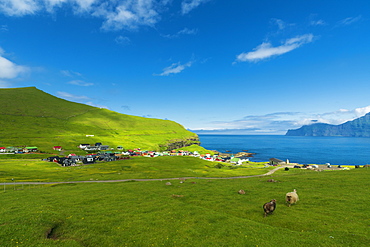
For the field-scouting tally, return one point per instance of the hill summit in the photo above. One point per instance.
(31, 117)
(359, 127)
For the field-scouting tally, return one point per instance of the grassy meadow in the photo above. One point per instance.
(332, 210)
(30, 170)
(31, 117)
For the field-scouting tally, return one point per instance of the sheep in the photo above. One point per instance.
(242, 192)
(269, 207)
(291, 197)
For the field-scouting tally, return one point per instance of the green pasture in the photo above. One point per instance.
(332, 211)
(30, 170)
(31, 117)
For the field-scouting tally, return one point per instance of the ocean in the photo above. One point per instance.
(296, 149)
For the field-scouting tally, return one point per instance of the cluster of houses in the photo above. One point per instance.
(73, 159)
(100, 152)
(18, 150)
(105, 156)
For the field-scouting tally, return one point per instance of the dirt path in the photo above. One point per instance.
(144, 179)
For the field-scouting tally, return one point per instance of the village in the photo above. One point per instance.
(104, 153)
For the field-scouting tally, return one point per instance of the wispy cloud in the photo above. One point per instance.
(19, 7)
(317, 23)
(280, 23)
(314, 20)
(72, 97)
(128, 14)
(116, 15)
(175, 68)
(349, 20)
(266, 50)
(70, 73)
(79, 98)
(281, 122)
(185, 31)
(122, 40)
(189, 5)
(80, 83)
(3, 28)
(8, 69)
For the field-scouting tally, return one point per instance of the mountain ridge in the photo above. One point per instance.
(359, 127)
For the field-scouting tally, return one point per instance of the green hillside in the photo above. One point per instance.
(31, 117)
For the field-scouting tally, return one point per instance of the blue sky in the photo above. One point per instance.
(254, 66)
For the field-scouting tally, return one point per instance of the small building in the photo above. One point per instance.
(2, 149)
(83, 146)
(275, 162)
(103, 147)
(91, 148)
(57, 148)
(29, 149)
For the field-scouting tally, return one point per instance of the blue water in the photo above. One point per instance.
(297, 149)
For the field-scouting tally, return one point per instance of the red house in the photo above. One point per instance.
(58, 148)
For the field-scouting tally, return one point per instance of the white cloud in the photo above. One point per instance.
(350, 20)
(280, 23)
(266, 50)
(128, 15)
(70, 73)
(116, 15)
(72, 97)
(175, 68)
(8, 69)
(121, 40)
(318, 23)
(185, 31)
(4, 28)
(19, 7)
(80, 83)
(362, 111)
(189, 5)
(280, 122)
(79, 98)
(188, 31)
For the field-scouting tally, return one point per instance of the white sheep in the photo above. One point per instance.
(292, 197)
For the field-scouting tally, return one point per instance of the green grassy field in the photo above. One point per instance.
(332, 210)
(30, 170)
(31, 117)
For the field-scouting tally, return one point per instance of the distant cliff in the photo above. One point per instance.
(359, 127)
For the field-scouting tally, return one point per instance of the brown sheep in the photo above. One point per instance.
(269, 207)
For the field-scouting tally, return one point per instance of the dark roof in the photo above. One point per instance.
(276, 160)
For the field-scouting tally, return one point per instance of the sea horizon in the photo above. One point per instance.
(336, 150)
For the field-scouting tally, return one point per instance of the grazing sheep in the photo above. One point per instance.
(269, 207)
(242, 192)
(292, 197)
(272, 181)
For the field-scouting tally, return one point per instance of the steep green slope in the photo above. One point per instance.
(359, 127)
(31, 117)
